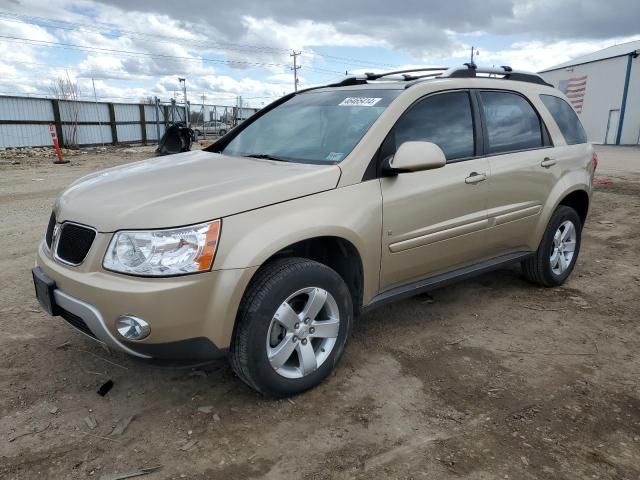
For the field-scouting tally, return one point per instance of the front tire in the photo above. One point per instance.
(292, 327)
(556, 256)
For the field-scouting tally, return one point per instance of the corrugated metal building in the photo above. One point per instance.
(604, 88)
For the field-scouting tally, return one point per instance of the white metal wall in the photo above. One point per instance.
(84, 112)
(12, 136)
(605, 85)
(129, 133)
(98, 131)
(25, 109)
(93, 134)
(126, 113)
(14, 108)
(150, 113)
(631, 126)
(152, 132)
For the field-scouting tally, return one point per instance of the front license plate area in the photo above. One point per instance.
(45, 287)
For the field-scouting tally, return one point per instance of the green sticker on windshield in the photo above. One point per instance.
(335, 156)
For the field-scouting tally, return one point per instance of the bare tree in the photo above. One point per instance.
(64, 88)
(148, 100)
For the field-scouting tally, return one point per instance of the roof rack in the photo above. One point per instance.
(468, 70)
(506, 72)
(406, 77)
(400, 75)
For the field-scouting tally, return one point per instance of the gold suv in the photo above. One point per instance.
(323, 205)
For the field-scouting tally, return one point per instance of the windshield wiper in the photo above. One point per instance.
(266, 156)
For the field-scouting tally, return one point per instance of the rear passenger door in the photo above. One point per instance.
(434, 220)
(522, 165)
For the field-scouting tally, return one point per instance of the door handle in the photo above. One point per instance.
(475, 177)
(547, 162)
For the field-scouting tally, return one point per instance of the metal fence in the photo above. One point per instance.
(24, 121)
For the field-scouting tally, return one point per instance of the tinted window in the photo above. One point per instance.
(443, 119)
(566, 118)
(512, 123)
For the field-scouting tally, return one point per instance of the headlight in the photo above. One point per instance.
(160, 253)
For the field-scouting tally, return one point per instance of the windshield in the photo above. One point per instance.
(313, 127)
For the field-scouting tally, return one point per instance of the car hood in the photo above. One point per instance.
(186, 188)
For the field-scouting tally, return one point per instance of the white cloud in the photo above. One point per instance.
(256, 38)
(536, 55)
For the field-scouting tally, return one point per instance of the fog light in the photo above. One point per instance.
(132, 328)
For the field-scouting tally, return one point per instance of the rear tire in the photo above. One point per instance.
(556, 256)
(292, 327)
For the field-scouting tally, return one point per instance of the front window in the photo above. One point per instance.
(444, 119)
(313, 127)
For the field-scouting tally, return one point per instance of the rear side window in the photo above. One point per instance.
(444, 119)
(512, 123)
(566, 118)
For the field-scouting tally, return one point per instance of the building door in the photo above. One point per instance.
(612, 127)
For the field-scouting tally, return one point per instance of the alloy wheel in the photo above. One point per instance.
(564, 246)
(303, 332)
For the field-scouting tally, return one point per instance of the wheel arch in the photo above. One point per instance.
(579, 201)
(336, 252)
(575, 194)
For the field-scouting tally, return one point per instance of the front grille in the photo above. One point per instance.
(74, 243)
(77, 322)
(49, 235)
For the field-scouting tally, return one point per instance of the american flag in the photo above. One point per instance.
(574, 89)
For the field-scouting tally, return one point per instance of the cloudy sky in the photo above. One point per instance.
(135, 49)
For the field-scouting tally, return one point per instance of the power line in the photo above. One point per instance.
(130, 53)
(72, 46)
(132, 97)
(110, 31)
(351, 61)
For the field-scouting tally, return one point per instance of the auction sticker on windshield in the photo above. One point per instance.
(359, 102)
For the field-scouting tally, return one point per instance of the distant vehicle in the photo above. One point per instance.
(215, 127)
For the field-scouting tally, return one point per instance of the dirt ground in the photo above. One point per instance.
(490, 379)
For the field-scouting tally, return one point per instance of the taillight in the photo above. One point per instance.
(594, 162)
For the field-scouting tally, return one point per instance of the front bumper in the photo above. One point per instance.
(191, 317)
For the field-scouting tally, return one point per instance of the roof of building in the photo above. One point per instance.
(609, 52)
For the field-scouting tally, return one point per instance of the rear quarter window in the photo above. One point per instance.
(566, 118)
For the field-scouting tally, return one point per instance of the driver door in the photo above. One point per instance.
(435, 220)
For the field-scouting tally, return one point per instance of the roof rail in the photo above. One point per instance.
(468, 70)
(376, 76)
(506, 72)
(403, 76)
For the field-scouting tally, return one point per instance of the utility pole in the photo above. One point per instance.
(95, 98)
(183, 81)
(295, 68)
(156, 101)
(204, 128)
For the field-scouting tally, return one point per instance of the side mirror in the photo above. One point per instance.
(417, 156)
